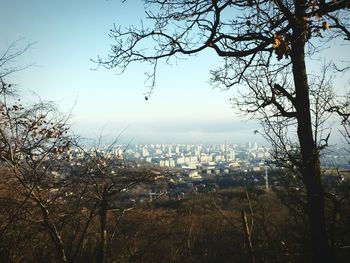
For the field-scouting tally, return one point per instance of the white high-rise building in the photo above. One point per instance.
(145, 152)
(231, 155)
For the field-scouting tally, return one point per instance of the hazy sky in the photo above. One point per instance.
(68, 33)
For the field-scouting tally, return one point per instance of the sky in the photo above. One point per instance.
(184, 108)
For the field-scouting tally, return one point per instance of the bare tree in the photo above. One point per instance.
(34, 150)
(252, 36)
(108, 179)
(30, 140)
(8, 63)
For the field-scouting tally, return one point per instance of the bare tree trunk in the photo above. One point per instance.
(54, 234)
(101, 253)
(247, 234)
(310, 163)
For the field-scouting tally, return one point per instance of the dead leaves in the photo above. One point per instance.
(281, 46)
(325, 25)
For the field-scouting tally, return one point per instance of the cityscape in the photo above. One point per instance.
(186, 169)
(175, 131)
(201, 160)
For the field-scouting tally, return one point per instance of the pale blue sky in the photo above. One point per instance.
(68, 33)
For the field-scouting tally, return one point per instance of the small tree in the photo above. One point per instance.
(30, 140)
(42, 194)
(108, 178)
(252, 36)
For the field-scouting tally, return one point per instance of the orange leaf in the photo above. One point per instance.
(325, 25)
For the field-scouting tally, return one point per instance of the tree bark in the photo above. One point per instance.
(310, 163)
(101, 253)
(53, 232)
(246, 230)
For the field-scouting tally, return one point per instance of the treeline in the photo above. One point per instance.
(232, 225)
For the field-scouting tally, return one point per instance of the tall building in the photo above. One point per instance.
(145, 152)
(231, 155)
(225, 152)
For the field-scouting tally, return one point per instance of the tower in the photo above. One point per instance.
(267, 187)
